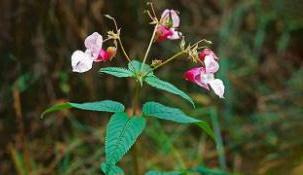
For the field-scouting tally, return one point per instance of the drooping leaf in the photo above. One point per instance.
(163, 173)
(135, 67)
(204, 170)
(166, 86)
(117, 72)
(121, 133)
(101, 106)
(110, 169)
(206, 128)
(160, 111)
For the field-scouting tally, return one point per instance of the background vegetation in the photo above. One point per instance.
(258, 125)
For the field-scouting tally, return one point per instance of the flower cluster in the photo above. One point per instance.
(83, 61)
(204, 76)
(165, 29)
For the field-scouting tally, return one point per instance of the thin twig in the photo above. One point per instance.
(149, 46)
(119, 38)
(153, 10)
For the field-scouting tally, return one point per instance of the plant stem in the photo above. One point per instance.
(135, 104)
(218, 138)
(169, 60)
(123, 50)
(166, 61)
(149, 46)
(119, 40)
(136, 99)
(136, 166)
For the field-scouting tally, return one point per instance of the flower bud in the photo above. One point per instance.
(207, 52)
(112, 51)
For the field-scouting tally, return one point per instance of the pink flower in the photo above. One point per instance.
(83, 61)
(205, 79)
(167, 29)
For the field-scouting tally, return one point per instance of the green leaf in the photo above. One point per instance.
(101, 106)
(160, 111)
(206, 128)
(121, 133)
(204, 170)
(166, 86)
(163, 173)
(110, 169)
(135, 67)
(117, 72)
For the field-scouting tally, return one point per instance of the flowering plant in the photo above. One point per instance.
(124, 128)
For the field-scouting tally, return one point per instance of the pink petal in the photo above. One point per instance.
(211, 65)
(163, 33)
(207, 52)
(103, 56)
(94, 43)
(218, 87)
(194, 75)
(170, 16)
(81, 62)
(175, 34)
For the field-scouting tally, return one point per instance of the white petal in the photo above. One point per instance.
(167, 14)
(175, 18)
(218, 87)
(206, 77)
(211, 65)
(94, 43)
(176, 34)
(81, 62)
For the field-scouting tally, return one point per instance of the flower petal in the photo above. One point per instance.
(81, 62)
(207, 77)
(194, 75)
(170, 18)
(162, 33)
(211, 65)
(175, 34)
(218, 87)
(94, 43)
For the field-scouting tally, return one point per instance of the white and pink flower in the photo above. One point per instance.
(83, 61)
(169, 22)
(205, 76)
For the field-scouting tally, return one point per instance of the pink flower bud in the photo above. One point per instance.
(112, 52)
(207, 52)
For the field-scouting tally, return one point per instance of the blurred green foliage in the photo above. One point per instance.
(258, 125)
